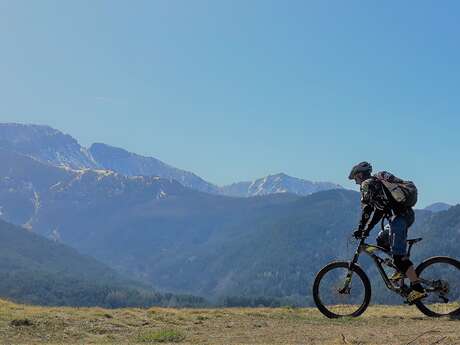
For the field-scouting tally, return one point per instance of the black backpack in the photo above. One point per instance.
(403, 192)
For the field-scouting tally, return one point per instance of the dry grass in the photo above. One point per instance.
(20, 324)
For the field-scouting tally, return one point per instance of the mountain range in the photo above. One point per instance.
(51, 146)
(132, 224)
(182, 240)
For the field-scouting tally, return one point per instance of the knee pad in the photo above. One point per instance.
(383, 242)
(402, 262)
(383, 238)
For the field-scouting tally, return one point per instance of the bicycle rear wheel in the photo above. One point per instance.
(440, 276)
(333, 302)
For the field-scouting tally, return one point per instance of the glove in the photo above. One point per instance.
(358, 234)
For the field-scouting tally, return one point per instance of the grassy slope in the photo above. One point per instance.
(379, 325)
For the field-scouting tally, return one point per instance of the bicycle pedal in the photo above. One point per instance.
(408, 303)
(415, 299)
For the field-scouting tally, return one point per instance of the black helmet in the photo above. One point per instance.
(363, 167)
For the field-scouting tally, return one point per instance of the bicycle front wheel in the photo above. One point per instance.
(440, 276)
(334, 297)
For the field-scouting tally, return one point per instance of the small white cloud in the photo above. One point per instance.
(105, 99)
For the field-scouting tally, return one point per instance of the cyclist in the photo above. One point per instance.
(376, 203)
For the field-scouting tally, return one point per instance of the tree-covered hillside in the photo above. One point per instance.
(39, 271)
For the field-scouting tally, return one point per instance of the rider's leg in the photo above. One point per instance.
(398, 236)
(404, 265)
(410, 273)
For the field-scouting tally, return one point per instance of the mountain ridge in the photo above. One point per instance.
(277, 183)
(51, 146)
(438, 207)
(46, 144)
(132, 164)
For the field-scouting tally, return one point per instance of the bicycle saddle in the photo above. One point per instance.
(414, 240)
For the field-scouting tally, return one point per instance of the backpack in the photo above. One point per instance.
(403, 192)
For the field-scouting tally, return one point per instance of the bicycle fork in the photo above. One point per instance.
(347, 282)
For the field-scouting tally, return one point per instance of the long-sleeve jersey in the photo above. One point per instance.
(377, 203)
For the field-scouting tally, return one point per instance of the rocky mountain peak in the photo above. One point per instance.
(277, 183)
(45, 144)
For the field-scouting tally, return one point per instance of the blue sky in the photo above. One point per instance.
(235, 90)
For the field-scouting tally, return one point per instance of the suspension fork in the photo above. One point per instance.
(346, 286)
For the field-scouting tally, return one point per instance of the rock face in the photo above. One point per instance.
(279, 183)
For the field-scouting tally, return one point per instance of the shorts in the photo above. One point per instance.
(394, 236)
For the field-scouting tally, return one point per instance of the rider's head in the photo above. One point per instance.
(360, 172)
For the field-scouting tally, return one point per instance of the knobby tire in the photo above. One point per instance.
(419, 270)
(356, 271)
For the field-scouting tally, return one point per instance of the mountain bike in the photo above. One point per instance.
(342, 288)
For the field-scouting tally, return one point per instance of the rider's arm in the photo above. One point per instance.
(369, 190)
(376, 217)
(365, 216)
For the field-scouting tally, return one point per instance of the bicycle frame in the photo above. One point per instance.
(370, 250)
(402, 289)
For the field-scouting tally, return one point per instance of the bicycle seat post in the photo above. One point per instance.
(408, 251)
(411, 242)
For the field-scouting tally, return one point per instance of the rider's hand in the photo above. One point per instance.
(358, 234)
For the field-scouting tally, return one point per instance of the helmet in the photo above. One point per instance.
(363, 167)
